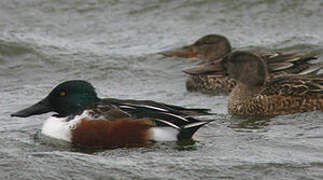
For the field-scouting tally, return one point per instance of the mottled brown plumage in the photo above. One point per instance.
(210, 84)
(256, 93)
(214, 47)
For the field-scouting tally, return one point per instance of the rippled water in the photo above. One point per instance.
(113, 44)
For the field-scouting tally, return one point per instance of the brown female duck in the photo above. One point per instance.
(257, 93)
(214, 47)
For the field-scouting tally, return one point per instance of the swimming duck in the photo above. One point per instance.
(214, 47)
(257, 93)
(83, 119)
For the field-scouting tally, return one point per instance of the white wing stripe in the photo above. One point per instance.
(127, 107)
(147, 106)
(194, 124)
(294, 59)
(168, 123)
(177, 116)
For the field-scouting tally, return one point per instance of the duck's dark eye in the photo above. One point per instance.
(62, 93)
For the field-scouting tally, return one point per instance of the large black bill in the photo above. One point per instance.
(41, 107)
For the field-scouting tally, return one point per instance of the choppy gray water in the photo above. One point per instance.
(111, 43)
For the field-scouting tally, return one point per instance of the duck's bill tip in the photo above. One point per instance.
(19, 114)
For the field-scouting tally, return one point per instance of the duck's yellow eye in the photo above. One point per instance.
(62, 93)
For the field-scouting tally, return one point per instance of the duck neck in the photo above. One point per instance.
(245, 100)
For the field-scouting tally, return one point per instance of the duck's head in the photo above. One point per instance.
(67, 98)
(208, 47)
(242, 66)
(245, 67)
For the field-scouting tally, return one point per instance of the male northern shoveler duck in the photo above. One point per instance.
(256, 93)
(83, 119)
(214, 47)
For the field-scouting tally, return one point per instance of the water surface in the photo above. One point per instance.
(113, 44)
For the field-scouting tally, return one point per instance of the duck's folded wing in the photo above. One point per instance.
(152, 106)
(162, 114)
(291, 63)
(295, 85)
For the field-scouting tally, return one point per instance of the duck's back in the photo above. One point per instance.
(284, 94)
